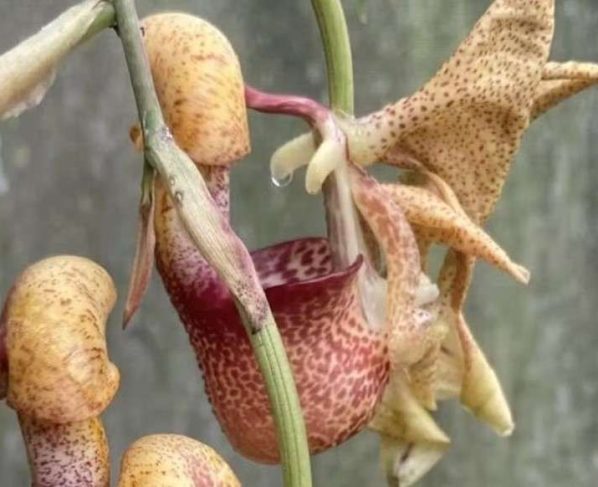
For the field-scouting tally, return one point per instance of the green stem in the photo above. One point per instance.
(337, 50)
(220, 246)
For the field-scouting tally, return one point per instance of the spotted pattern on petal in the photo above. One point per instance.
(436, 221)
(391, 229)
(466, 123)
(561, 81)
(340, 365)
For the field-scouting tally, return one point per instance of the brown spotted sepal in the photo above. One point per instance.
(167, 460)
(340, 365)
(60, 378)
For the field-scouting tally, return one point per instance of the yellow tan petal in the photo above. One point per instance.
(466, 123)
(58, 364)
(480, 391)
(441, 224)
(71, 454)
(200, 87)
(407, 330)
(561, 81)
(174, 461)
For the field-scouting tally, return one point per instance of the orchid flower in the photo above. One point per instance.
(455, 140)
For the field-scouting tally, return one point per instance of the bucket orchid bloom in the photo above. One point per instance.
(455, 140)
(373, 341)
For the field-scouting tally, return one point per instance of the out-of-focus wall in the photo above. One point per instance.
(69, 184)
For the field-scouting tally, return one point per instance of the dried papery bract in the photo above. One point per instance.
(174, 461)
(60, 378)
(28, 70)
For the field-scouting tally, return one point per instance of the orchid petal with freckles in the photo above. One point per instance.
(438, 222)
(561, 81)
(392, 231)
(466, 123)
(69, 454)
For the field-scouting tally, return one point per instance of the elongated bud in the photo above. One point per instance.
(174, 461)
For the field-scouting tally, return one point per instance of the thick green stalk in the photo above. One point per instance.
(220, 246)
(337, 50)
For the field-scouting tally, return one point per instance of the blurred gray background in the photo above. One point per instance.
(69, 184)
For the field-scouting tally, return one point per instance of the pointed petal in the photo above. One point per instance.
(467, 122)
(561, 81)
(408, 340)
(401, 416)
(437, 221)
(481, 392)
(143, 262)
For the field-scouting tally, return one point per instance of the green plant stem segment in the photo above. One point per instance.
(217, 242)
(337, 50)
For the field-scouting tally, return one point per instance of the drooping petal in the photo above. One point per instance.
(561, 81)
(174, 461)
(480, 389)
(66, 454)
(406, 328)
(466, 123)
(438, 222)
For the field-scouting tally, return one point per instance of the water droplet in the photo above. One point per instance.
(282, 182)
(171, 180)
(178, 196)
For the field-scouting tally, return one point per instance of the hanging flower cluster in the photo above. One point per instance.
(373, 340)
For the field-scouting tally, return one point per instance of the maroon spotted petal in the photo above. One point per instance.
(340, 365)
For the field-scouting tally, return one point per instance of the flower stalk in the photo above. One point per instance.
(215, 239)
